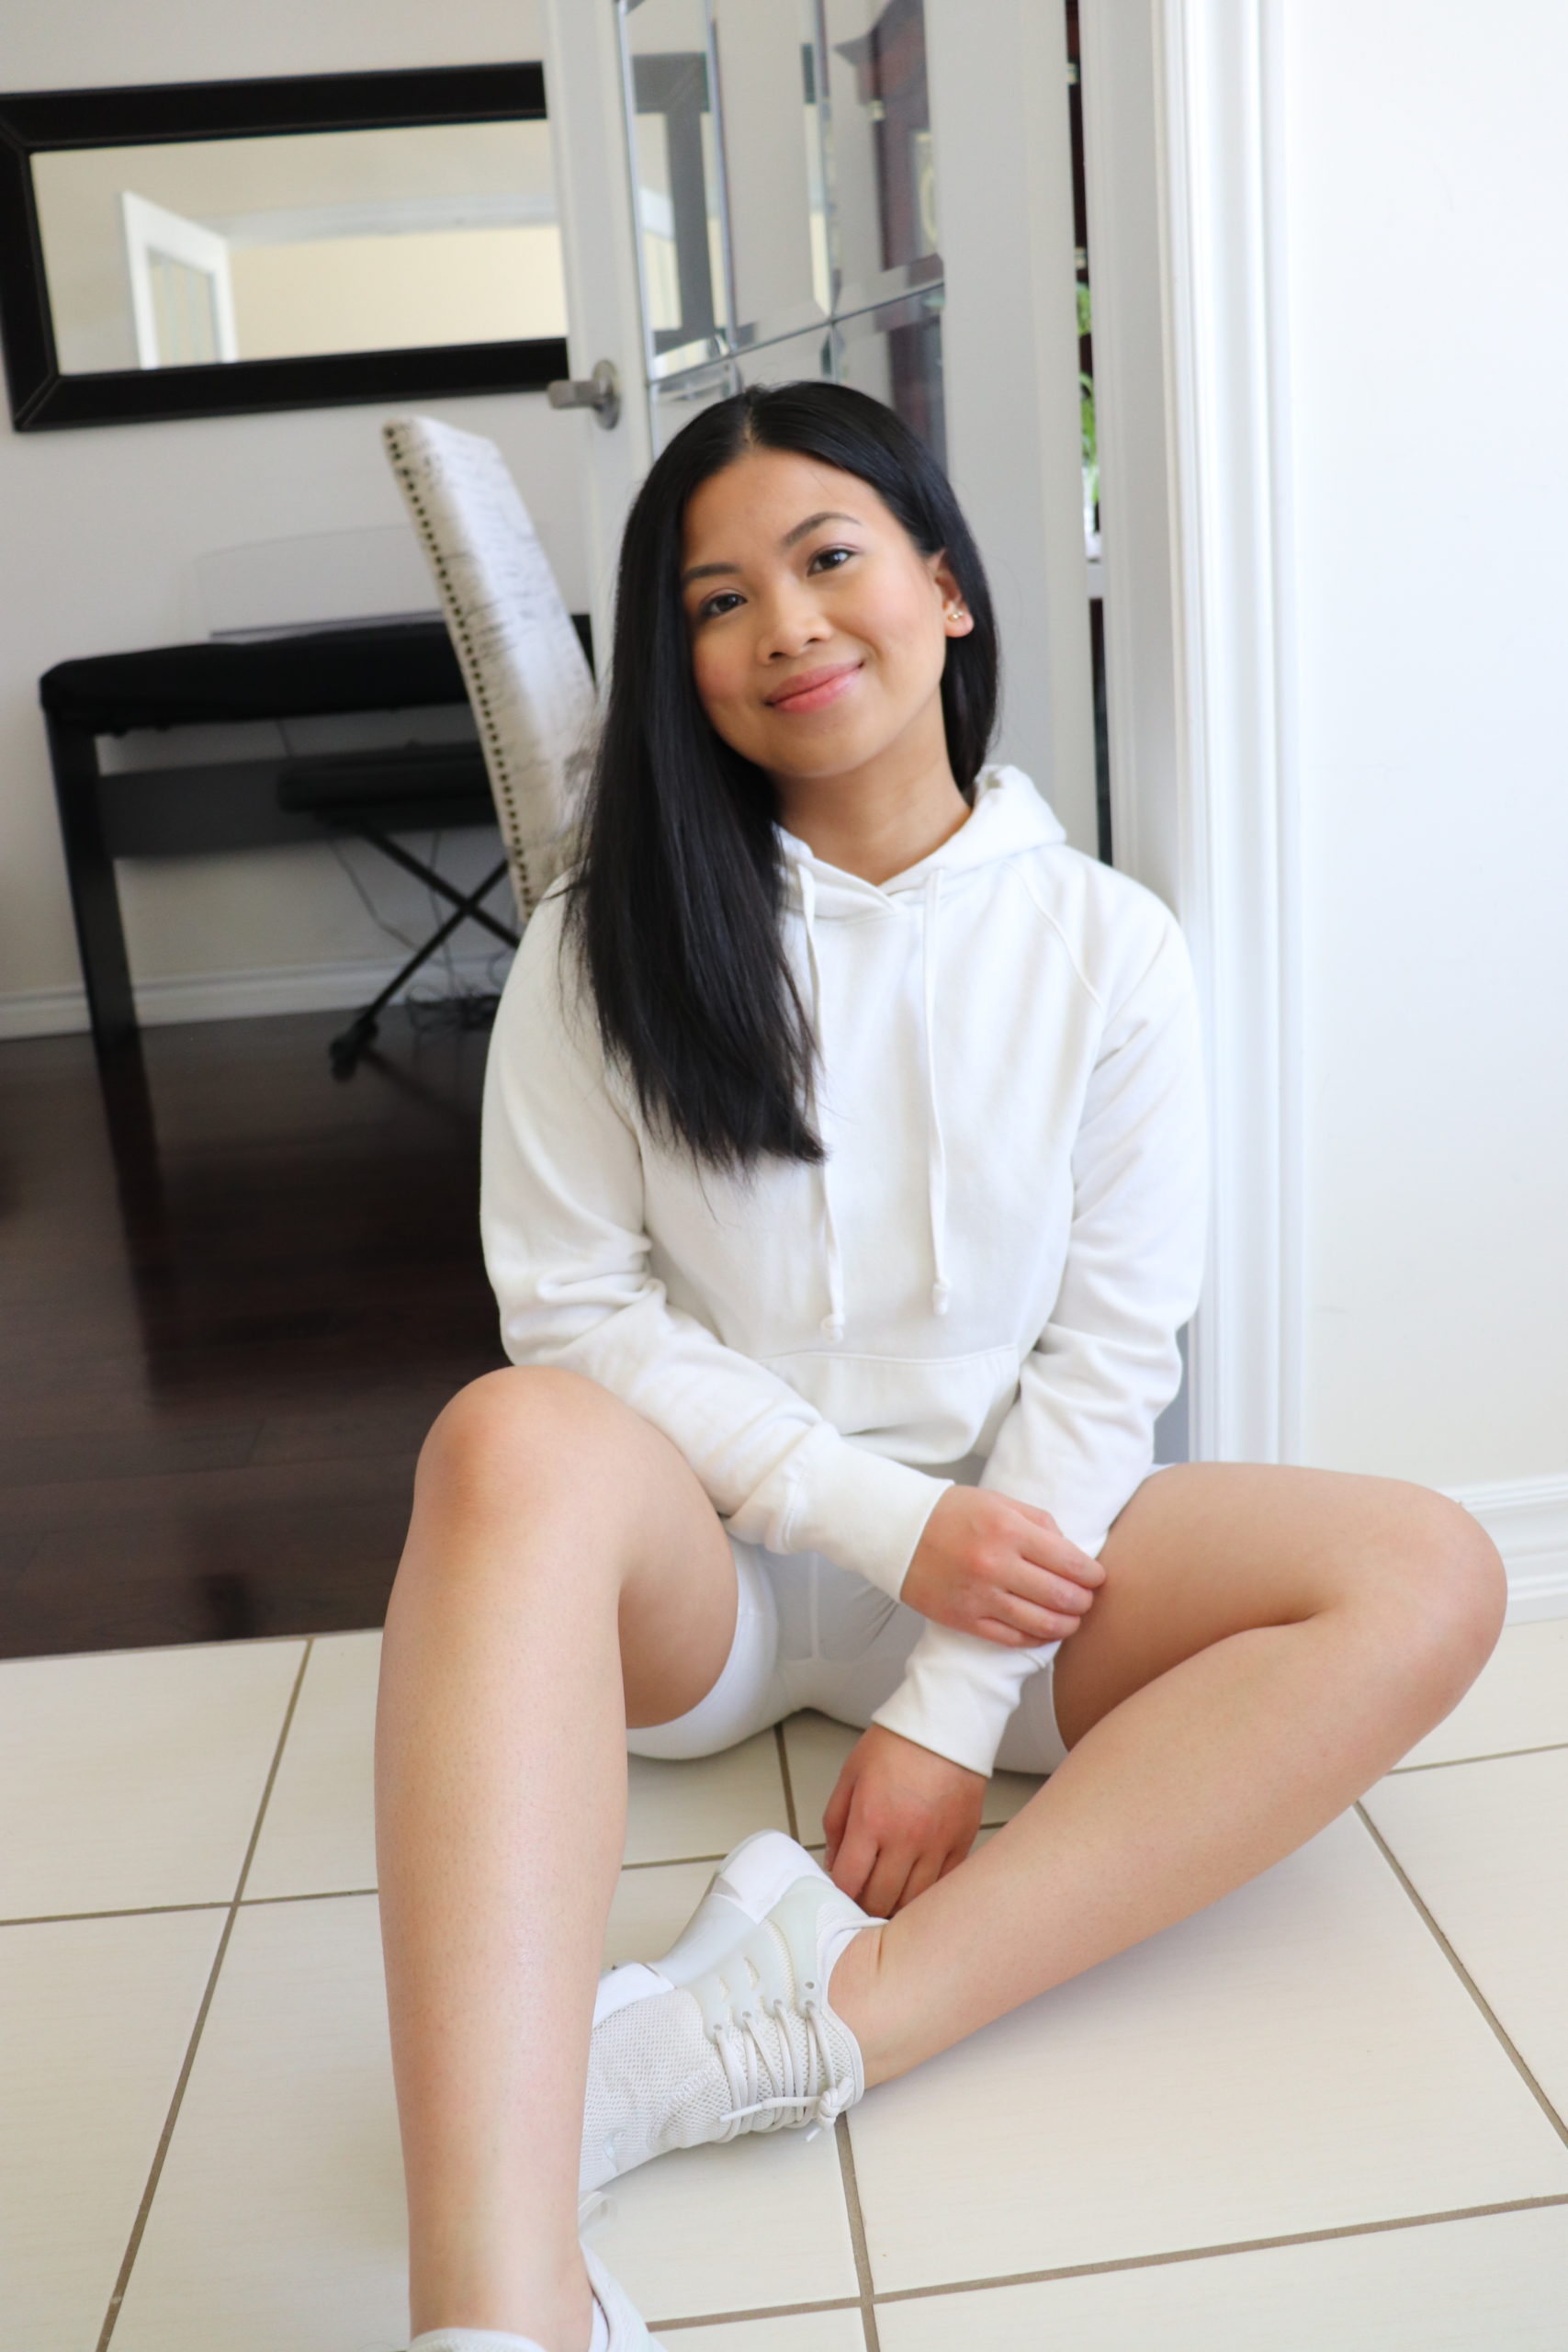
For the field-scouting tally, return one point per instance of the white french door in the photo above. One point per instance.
(874, 191)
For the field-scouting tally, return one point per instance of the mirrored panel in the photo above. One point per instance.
(766, 60)
(676, 172)
(678, 399)
(180, 255)
(895, 354)
(786, 361)
(884, 165)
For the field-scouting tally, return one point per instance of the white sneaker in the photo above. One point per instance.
(629, 2330)
(731, 2030)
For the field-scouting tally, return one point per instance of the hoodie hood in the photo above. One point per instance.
(1008, 818)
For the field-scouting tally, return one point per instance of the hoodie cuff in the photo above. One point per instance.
(957, 1694)
(858, 1508)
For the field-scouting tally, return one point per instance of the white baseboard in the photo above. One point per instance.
(1527, 1520)
(235, 996)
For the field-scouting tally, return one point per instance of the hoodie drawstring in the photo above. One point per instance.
(936, 1156)
(832, 1323)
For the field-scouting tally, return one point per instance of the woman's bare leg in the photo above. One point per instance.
(555, 1532)
(1266, 1642)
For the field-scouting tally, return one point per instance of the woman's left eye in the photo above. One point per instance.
(831, 557)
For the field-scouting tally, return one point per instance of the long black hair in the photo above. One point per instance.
(674, 907)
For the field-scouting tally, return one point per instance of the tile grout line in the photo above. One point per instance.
(1493, 1755)
(160, 2152)
(857, 2233)
(671, 1861)
(761, 2311)
(1213, 2253)
(129, 1911)
(1462, 1972)
(310, 1895)
(1173, 2254)
(788, 1785)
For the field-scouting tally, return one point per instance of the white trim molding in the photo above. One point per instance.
(235, 996)
(1187, 265)
(1527, 1520)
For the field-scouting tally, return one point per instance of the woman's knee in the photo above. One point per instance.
(1446, 1578)
(512, 1438)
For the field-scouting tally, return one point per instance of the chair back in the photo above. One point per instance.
(522, 664)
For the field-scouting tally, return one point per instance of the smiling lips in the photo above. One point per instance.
(813, 689)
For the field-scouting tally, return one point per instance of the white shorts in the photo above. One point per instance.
(810, 1634)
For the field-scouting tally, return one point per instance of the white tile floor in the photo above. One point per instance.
(1329, 2112)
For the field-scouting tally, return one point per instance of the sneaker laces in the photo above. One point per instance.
(748, 2065)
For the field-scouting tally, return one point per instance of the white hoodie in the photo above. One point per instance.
(982, 1284)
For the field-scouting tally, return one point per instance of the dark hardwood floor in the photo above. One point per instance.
(233, 1296)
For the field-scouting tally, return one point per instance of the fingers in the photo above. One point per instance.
(1029, 1615)
(885, 1892)
(1036, 1624)
(926, 1868)
(836, 1814)
(856, 1860)
(883, 1875)
(1009, 1637)
(1048, 1548)
(1041, 1588)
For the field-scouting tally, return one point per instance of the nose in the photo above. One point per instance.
(792, 620)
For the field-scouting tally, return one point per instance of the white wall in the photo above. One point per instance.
(1426, 187)
(101, 531)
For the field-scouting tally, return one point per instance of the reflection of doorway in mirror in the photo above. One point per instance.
(182, 295)
(297, 244)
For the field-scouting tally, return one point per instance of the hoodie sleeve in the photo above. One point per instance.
(1078, 1439)
(561, 1211)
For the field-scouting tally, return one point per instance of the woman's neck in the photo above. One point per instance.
(877, 821)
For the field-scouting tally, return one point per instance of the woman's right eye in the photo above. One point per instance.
(712, 607)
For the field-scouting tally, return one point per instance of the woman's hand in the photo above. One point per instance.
(987, 1564)
(900, 1818)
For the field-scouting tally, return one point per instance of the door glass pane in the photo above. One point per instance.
(767, 85)
(680, 398)
(884, 174)
(675, 169)
(895, 354)
(786, 361)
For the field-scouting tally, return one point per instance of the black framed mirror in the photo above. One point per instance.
(201, 249)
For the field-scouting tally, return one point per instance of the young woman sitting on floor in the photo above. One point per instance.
(844, 1192)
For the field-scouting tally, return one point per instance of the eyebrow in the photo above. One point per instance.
(790, 539)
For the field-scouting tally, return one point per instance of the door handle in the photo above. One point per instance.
(601, 392)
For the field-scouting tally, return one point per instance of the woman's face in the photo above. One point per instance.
(818, 629)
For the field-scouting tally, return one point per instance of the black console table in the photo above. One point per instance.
(241, 804)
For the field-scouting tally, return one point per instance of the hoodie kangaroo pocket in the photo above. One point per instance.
(924, 1411)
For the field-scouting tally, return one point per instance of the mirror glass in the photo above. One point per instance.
(675, 161)
(772, 162)
(884, 169)
(189, 252)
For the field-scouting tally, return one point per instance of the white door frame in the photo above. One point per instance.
(583, 91)
(151, 231)
(1185, 158)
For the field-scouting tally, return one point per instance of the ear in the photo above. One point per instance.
(958, 621)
